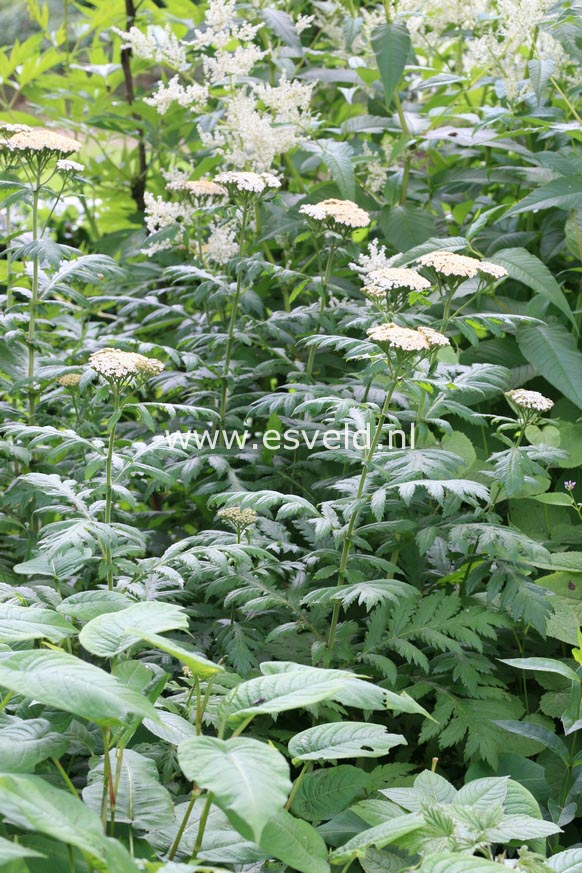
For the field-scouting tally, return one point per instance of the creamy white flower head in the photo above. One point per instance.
(10, 129)
(303, 22)
(40, 139)
(117, 365)
(238, 518)
(397, 277)
(252, 183)
(66, 166)
(529, 399)
(452, 264)
(193, 97)
(160, 213)
(158, 44)
(69, 380)
(406, 338)
(342, 212)
(198, 188)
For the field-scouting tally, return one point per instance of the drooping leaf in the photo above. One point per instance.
(114, 632)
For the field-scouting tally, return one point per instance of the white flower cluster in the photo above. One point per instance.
(160, 213)
(222, 245)
(193, 97)
(380, 281)
(157, 44)
(303, 22)
(66, 166)
(40, 139)
(250, 183)
(336, 212)
(225, 65)
(117, 365)
(222, 26)
(529, 399)
(408, 339)
(372, 260)
(451, 264)
(238, 518)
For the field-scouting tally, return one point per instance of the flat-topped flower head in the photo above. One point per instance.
(237, 182)
(530, 400)
(66, 166)
(7, 130)
(344, 213)
(118, 366)
(396, 277)
(69, 380)
(460, 266)
(40, 140)
(238, 519)
(407, 339)
(199, 189)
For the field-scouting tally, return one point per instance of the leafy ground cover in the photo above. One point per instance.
(291, 380)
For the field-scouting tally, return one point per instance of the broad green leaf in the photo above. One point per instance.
(337, 157)
(283, 691)
(109, 634)
(171, 728)
(85, 605)
(457, 863)
(562, 193)
(296, 843)
(26, 742)
(536, 732)
(481, 794)
(32, 803)
(249, 780)
(30, 622)
(326, 792)
(522, 827)
(10, 851)
(379, 836)
(391, 44)
(140, 799)
(348, 739)
(530, 271)
(198, 664)
(553, 352)
(65, 682)
(569, 861)
(543, 665)
(406, 226)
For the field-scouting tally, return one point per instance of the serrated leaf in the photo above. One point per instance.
(343, 740)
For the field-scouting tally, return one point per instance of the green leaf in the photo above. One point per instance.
(198, 664)
(10, 851)
(562, 193)
(543, 665)
(530, 271)
(170, 728)
(296, 843)
(30, 622)
(406, 225)
(109, 634)
(24, 743)
(85, 605)
(249, 780)
(65, 682)
(347, 739)
(569, 861)
(457, 863)
(391, 44)
(379, 836)
(140, 800)
(536, 732)
(337, 157)
(553, 352)
(31, 802)
(327, 792)
(283, 691)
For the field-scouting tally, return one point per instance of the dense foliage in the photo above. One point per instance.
(290, 388)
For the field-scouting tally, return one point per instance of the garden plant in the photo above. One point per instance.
(291, 436)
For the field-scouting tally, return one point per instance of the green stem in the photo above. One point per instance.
(306, 767)
(232, 321)
(106, 777)
(109, 484)
(33, 305)
(183, 823)
(202, 826)
(322, 306)
(115, 788)
(65, 777)
(347, 544)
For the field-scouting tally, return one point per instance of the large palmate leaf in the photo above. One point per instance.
(114, 632)
(65, 682)
(347, 739)
(249, 780)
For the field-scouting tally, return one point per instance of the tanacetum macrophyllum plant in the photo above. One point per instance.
(290, 377)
